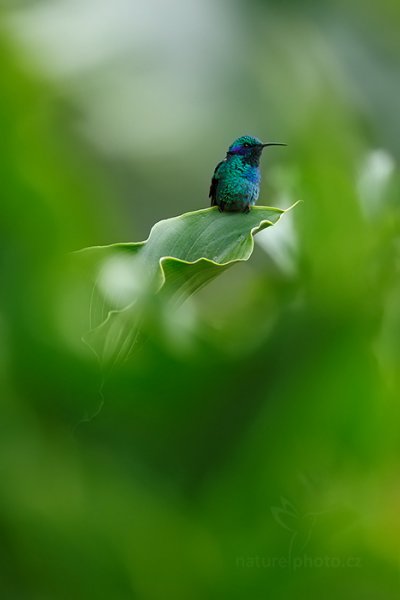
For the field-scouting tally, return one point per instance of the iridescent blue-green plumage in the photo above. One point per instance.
(235, 184)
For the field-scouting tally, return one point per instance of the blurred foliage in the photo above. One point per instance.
(251, 448)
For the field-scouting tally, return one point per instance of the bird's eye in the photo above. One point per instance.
(246, 145)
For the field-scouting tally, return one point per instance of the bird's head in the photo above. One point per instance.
(249, 147)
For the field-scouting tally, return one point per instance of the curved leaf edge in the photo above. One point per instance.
(265, 223)
(127, 245)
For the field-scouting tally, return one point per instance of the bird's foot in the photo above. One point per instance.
(221, 206)
(246, 209)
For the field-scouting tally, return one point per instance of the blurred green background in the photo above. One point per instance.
(251, 448)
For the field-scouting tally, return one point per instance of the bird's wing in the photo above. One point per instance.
(214, 183)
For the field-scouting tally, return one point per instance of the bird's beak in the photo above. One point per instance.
(273, 144)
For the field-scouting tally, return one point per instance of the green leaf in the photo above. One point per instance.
(181, 255)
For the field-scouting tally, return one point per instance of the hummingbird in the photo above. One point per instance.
(235, 184)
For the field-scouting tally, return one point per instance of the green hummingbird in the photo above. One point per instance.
(235, 184)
